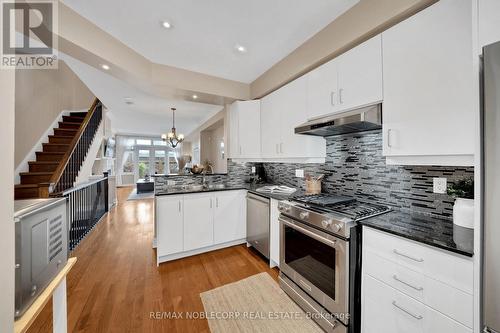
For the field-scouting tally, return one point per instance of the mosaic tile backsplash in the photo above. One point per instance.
(355, 166)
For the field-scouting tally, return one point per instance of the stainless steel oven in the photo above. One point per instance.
(318, 262)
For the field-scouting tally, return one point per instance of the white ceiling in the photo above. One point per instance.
(205, 32)
(149, 115)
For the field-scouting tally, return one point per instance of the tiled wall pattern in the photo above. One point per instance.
(355, 166)
(237, 172)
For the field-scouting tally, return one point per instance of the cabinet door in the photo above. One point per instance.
(270, 119)
(234, 132)
(229, 216)
(198, 221)
(249, 128)
(169, 224)
(292, 103)
(360, 75)
(322, 90)
(428, 83)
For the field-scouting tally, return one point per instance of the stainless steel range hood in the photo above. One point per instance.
(359, 120)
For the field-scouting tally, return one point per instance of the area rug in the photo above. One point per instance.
(254, 304)
(141, 196)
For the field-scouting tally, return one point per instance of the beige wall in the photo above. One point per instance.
(41, 95)
(7, 100)
(210, 149)
(361, 22)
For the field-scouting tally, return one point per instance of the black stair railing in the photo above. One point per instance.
(87, 204)
(65, 175)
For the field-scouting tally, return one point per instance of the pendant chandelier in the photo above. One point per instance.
(172, 137)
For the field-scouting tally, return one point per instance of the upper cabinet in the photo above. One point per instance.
(349, 81)
(281, 112)
(489, 22)
(429, 110)
(244, 131)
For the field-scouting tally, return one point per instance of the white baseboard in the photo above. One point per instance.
(180, 255)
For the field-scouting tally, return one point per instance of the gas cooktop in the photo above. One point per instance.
(330, 212)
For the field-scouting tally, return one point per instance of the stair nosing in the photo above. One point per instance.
(35, 173)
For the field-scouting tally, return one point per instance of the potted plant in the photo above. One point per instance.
(463, 209)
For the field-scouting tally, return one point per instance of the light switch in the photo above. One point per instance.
(253, 170)
(299, 173)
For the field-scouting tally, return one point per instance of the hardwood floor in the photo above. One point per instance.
(116, 285)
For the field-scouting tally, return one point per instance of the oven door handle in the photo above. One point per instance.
(310, 233)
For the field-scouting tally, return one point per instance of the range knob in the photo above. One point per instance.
(304, 215)
(326, 223)
(337, 227)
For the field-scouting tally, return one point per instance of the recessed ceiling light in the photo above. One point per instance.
(105, 67)
(129, 101)
(195, 96)
(240, 48)
(166, 24)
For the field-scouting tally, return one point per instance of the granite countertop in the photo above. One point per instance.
(187, 174)
(249, 187)
(422, 228)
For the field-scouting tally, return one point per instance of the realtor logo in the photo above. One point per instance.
(29, 34)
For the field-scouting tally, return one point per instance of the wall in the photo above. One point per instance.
(355, 166)
(363, 21)
(210, 148)
(41, 95)
(7, 99)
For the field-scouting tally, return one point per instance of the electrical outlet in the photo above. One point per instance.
(299, 173)
(439, 185)
(253, 170)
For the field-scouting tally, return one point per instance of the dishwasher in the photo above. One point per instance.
(258, 223)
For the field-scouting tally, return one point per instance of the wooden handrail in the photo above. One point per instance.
(56, 176)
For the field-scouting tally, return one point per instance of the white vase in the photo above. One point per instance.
(463, 213)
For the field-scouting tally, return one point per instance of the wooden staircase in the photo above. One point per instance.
(56, 166)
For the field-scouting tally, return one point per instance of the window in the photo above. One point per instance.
(159, 143)
(143, 142)
(128, 161)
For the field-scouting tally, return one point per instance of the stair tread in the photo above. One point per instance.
(67, 129)
(55, 144)
(70, 123)
(43, 162)
(37, 173)
(25, 185)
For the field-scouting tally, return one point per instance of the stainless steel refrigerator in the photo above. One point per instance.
(491, 188)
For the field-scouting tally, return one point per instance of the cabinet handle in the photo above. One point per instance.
(340, 96)
(281, 147)
(240, 150)
(395, 277)
(217, 202)
(332, 98)
(407, 256)
(389, 138)
(210, 202)
(277, 149)
(179, 206)
(418, 317)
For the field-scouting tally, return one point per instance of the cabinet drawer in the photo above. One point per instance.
(384, 309)
(448, 300)
(453, 270)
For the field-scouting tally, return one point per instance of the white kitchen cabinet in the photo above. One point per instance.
(489, 22)
(352, 80)
(360, 75)
(281, 112)
(412, 287)
(198, 221)
(245, 129)
(322, 90)
(229, 216)
(429, 112)
(195, 223)
(169, 224)
(274, 234)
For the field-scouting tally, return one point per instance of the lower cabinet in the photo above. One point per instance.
(194, 223)
(230, 210)
(198, 221)
(411, 287)
(169, 224)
